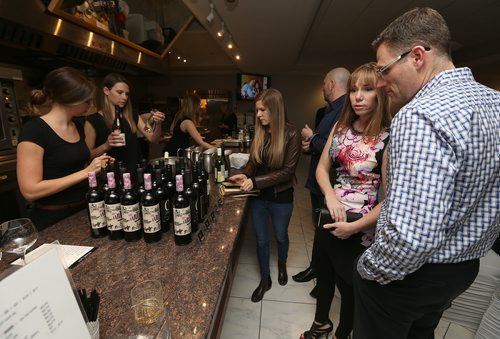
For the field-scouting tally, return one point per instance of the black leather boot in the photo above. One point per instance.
(264, 286)
(282, 276)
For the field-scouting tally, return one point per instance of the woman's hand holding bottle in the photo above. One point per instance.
(99, 162)
(115, 139)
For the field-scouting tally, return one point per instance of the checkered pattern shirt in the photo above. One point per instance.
(443, 186)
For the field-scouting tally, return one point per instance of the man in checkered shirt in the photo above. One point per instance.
(441, 213)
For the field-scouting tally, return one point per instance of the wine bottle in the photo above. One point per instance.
(199, 192)
(104, 180)
(204, 180)
(170, 187)
(226, 165)
(140, 181)
(191, 196)
(113, 209)
(120, 169)
(118, 124)
(219, 167)
(131, 213)
(96, 211)
(162, 194)
(150, 212)
(182, 214)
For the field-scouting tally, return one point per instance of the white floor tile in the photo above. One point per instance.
(284, 320)
(291, 292)
(246, 280)
(441, 329)
(242, 319)
(458, 332)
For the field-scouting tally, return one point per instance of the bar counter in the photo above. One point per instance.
(196, 278)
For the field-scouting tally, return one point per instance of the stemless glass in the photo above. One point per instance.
(17, 235)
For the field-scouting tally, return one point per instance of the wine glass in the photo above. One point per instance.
(17, 235)
(150, 122)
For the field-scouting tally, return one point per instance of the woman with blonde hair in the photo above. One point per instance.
(183, 127)
(98, 135)
(357, 150)
(274, 154)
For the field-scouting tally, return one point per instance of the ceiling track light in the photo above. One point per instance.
(211, 15)
(221, 31)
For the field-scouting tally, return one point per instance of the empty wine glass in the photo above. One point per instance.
(17, 235)
(150, 122)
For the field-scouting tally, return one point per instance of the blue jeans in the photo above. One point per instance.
(280, 214)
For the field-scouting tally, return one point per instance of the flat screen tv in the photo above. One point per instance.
(249, 85)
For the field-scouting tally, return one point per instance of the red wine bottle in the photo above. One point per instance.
(131, 213)
(191, 196)
(204, 180)
(118, 124)
(170, 187)
(200, 187)
(96, 211)
(150, 212)
(140, 181)
(162, 194)
(182, 214)
(113, 209)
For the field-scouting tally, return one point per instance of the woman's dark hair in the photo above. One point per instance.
(105, 106)
(64, 85)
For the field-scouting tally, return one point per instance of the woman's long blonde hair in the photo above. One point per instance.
(275, 149)
(381, 117)
(107, 108)
(190, 106)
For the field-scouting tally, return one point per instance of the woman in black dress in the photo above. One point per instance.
(52, 154)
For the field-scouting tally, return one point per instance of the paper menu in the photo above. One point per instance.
(38, 302)
(69, 254)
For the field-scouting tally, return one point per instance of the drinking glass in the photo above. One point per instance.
(147, 301)
(150, 122)
(17, 235)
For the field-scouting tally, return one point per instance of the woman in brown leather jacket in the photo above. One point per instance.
(274, 155)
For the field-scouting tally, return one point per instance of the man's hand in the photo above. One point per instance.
(306, 132)
(305, 145)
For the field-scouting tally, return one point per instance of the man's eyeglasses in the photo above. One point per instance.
(382, 70)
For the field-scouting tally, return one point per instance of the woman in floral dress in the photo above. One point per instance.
(357, 148)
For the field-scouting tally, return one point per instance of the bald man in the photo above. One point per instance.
(313, 142)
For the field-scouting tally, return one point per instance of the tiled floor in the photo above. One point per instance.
(287, 311)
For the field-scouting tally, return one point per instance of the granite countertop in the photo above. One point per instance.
(192, 276)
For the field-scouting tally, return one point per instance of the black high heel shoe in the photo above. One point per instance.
(318, 331)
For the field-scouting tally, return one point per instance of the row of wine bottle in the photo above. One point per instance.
(150, 207)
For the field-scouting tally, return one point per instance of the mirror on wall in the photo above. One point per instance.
(150, 26)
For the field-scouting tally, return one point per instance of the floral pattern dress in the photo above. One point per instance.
(358, 163)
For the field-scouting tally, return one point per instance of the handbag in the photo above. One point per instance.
(324, 217)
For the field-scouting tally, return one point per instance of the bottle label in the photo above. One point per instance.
(113, 216)
(221, 174)
(123, 142)
(182, 221)
(97, 214)
(131, 218)
(151, 218)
